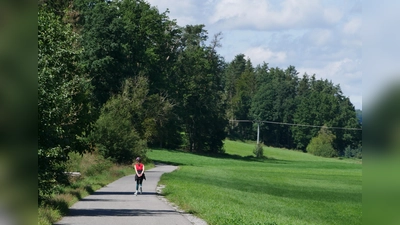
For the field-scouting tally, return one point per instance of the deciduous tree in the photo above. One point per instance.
(64, 99)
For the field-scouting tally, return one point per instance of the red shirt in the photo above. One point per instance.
(139, 166)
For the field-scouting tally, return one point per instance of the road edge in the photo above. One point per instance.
(192, 218)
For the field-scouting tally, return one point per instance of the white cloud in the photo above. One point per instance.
(260, 54)
(345, 72)
(185, 12)
(320, 37)
(315, 36)
(353, 26)
(341, 71)
(332, 15)
(263, 15)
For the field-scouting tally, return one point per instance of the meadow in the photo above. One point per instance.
(286, 187)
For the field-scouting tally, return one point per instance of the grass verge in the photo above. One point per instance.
(96, 173)
(287, 187)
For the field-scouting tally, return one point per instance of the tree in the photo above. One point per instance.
(200, 100)
(321, 145)
(274, 101)
(64, 99)
(245, 87)
(115, 134)
(231, 76)
(104, 40)
(322, 102)
(359, 116)
(318, 105)
(129, 120)
(57, 7)
(126, 39)
(347, 119)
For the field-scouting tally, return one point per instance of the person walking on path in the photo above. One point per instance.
(139, 169)
(115, 204)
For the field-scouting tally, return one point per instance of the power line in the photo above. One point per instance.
(294, 124)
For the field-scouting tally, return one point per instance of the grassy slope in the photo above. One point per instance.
(287, 188)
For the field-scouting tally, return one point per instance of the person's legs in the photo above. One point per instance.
(140, 185)
(137, 186)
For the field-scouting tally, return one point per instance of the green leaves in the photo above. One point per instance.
(124, 39)
(321, 102)
(274, 101)
(63, 93)
(128, 121)
(321, 145)
(115, 132)
(64, 96)
(200, 102)
(143, 80)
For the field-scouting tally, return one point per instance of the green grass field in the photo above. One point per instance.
(288, 187)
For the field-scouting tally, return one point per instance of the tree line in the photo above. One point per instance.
(119, 76)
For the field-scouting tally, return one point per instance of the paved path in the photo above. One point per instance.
(116, 204)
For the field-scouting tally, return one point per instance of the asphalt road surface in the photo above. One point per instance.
(116, 204)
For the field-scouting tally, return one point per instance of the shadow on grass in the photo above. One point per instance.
(165, 162)
(59, 204)
(62, 205)
(75, 193)
(248, 158)
(89, 189)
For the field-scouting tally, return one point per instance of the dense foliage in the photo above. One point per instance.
(321, 145)
(120, 76)
(64, 108)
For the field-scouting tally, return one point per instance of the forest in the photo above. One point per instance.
(120, 76)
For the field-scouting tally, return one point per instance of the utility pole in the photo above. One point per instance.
(258, 133)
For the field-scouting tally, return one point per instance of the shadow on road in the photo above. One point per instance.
(119, 212)
(122, 193)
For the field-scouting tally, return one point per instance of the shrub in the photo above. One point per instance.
(321, 145)
(358, 152)
(118, 134)
(73, 163)
(348, 152)
(100, 166)
(131, 119)
(353, 152)
(51, 169)
(259, 151)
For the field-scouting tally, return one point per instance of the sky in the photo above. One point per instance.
(321, 37)
(381, 53)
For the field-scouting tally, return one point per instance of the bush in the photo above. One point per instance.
(73, 163)
(118, 134)
(259, 151)
(51, 169)
(97, 168)
(353, 153)
(321, 145)
(129, 120)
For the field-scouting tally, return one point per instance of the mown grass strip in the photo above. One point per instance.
(286, 188)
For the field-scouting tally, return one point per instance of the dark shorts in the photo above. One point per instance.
(140, 178)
